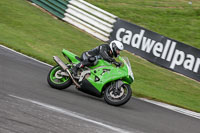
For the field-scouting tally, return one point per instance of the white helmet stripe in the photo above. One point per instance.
(119, 45)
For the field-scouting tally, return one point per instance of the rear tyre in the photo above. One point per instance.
(56, 80)
(118, 98)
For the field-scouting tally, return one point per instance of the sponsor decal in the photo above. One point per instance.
(139, 41)
(158, 49)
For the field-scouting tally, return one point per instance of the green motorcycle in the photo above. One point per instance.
(104, 79)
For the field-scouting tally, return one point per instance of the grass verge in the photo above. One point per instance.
(27, 29)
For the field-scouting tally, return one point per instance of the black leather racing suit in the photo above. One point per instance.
(101, 52)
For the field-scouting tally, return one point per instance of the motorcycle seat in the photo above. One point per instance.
(78, 58)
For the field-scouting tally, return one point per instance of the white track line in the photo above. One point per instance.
(25, 55)
(176, 109)
(73, 114)
(170, 107)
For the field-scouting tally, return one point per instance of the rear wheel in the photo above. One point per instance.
(58, 79)
(117, 97)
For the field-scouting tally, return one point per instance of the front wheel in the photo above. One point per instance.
(119, 97)
(58, 79)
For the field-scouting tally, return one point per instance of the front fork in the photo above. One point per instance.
(117, 85)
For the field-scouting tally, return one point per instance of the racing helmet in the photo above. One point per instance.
(116, 45)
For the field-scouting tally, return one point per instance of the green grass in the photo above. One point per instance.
(175, 19)
(27, 29)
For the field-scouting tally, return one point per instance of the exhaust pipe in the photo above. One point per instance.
(64, 67)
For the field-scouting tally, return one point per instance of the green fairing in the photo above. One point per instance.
(70, 56)
(115, 73)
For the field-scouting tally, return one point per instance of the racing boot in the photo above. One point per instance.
(75, 68)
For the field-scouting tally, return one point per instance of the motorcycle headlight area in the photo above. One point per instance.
(130, 73)
(127, 63)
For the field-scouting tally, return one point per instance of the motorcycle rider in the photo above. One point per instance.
(104, 51)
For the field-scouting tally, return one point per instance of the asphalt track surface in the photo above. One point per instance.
(29, 105)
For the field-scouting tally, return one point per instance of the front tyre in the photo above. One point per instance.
(57, 80)
(119, 97)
